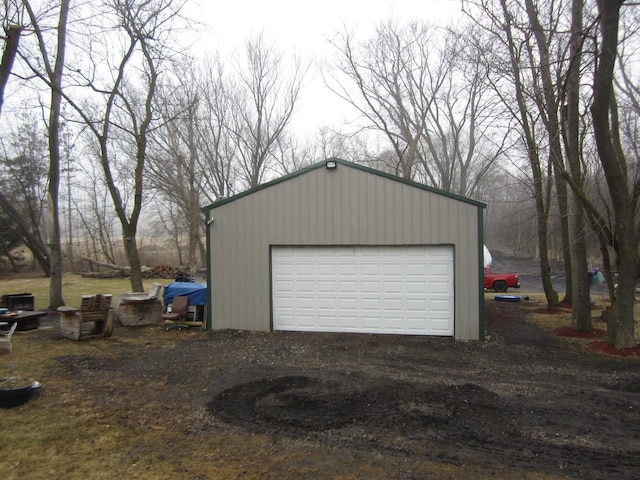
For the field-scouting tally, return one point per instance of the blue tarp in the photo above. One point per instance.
(197, 292)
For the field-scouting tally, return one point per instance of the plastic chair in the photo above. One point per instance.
(5, 339)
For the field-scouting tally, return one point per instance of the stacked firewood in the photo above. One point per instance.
(161, 271)
(114, 271)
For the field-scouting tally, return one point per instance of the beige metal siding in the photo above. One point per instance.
(346, 206)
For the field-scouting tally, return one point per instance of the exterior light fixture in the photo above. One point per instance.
(331, 164)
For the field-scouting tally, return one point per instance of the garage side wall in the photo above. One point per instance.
(345, 206)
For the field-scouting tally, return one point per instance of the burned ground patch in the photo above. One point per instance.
(459, 424)
(300, 404)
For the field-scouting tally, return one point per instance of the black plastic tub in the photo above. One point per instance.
(15, 391)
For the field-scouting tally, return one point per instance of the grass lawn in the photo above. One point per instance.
(73, 287)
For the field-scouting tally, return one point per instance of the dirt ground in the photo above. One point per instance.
(237, 404)
(146, 403)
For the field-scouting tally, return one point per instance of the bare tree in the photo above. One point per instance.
(13, 26)
(546, 92)
(51, 71)
(467, 134)
(194, 151)
(416, 85)
(395, 80)
(547, 52)
(332, 143)
(96, 215)
(265, 97)
(122, 125)
(510, 58)
(510, 218)
(624, 195)
(174, 167)
(627, 88)
(218, 146)
(581, 311)
(23, 187)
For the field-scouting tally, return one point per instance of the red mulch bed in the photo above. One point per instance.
(604, 347)
(600, 346)
(568, 332)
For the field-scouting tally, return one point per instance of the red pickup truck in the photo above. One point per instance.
(500, 282)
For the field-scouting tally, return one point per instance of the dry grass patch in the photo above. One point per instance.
(558, 323)
(73, 287)
(78, 429)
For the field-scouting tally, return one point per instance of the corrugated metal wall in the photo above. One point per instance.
(345, 206)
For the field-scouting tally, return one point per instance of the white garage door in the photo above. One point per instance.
(404, 290)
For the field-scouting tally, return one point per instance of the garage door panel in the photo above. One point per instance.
(326, 320)
(370, 323)
(417, 287)
(390, 305)
(287, 320)
(394, 286)
(305, 285)
(370, 304)
(415, 270)
(372, 269)
(322, 303)
(350, 285)
(440, 326)
(370, 285)
(349, 321)
(348, 304)
(394, 323)
(363, 289)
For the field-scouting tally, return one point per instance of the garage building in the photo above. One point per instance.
(339, 247)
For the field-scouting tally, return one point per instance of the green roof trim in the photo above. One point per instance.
(481, 317)
(339, 161)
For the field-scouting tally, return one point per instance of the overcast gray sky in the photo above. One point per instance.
(304, 27)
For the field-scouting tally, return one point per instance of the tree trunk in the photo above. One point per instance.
(581, 311)
(55, 78)
(124, 269)
(55, 247)
(543, 241)
(12, 33)
(567, 250)
(194, 232)
(614, 167)
(194, 217)
(542, 213)
(548, 106)
(131, 250)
